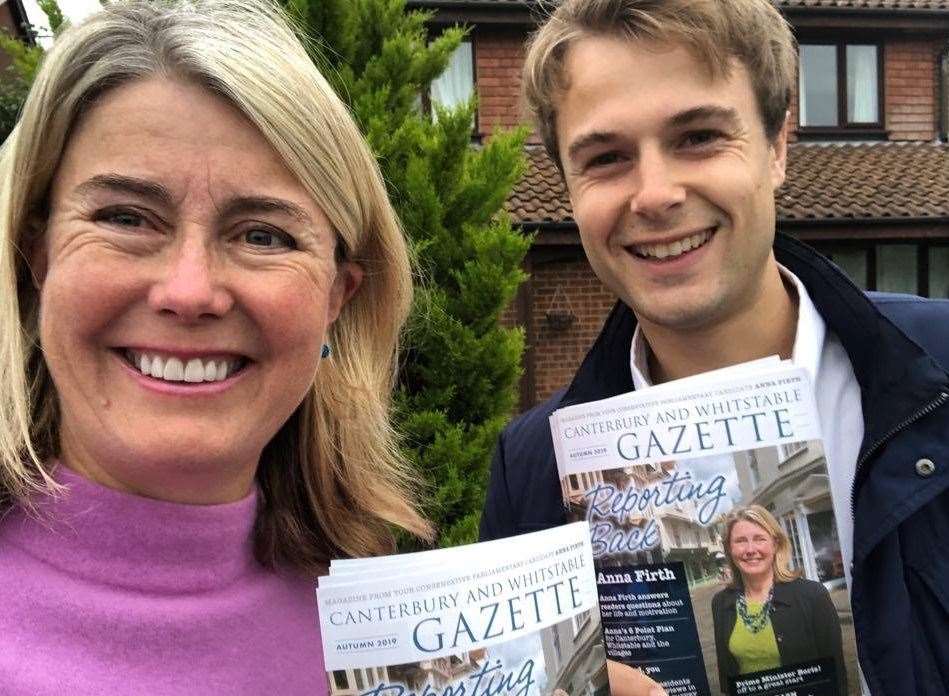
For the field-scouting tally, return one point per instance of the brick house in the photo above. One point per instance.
(12, 20)
(868, 167)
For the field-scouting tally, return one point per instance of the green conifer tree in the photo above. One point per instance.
(458, 381)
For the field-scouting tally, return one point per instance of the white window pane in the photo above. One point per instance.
(456, 85)
(939, 271)
(896, 268)
(818, 88)
(853, 262)
(862, 104)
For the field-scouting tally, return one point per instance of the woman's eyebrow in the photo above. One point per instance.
(263, 204)
(126, 184)
(150, 190)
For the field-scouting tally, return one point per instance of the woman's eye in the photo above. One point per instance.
(269, 239)
(121, 218)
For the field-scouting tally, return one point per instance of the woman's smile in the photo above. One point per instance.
(182, 367)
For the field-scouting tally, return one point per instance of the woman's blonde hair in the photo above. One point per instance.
(758, 515)
(331, 480)
(752, 31)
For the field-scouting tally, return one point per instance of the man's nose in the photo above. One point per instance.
(658, 192)
(189, 284)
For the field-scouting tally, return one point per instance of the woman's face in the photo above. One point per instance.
(752, 549)
(187, 281)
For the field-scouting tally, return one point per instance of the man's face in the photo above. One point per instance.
(671, 178)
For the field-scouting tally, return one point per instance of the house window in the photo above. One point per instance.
(839, 86)
(340, 679)
(787, 451)
(455, 86)
(915, 267)
(578, 621)
(790, 526)
(938, 271)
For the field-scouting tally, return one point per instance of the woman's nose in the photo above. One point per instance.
(189, 284)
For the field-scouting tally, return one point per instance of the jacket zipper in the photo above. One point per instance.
(924, 411)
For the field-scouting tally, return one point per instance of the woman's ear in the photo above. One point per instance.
(349, 276)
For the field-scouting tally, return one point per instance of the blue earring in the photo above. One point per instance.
(326, 352)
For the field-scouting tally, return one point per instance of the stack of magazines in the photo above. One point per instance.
(497, 618)
(703, 550)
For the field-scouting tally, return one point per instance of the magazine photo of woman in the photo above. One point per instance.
(769, 617)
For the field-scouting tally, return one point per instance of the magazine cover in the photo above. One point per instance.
(514, 617)
(713, 534)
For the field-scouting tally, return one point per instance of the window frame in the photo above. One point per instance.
(869, 247)
(844, 128)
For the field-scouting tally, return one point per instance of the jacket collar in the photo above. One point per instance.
(895, 375)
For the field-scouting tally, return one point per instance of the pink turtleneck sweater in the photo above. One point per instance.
(111, 593)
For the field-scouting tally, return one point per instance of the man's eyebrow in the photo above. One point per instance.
(588, 139)
(244, 205)
(126, 184)
(705, 113)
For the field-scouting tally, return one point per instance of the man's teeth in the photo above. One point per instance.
(175, 370)
(664, 251)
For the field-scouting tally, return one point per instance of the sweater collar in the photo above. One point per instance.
(111, 537)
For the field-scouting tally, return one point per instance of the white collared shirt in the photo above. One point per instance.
(839, 408)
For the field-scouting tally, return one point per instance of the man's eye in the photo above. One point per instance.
(269, 239)
(700, 138)
(604, 159)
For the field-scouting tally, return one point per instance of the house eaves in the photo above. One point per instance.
(930, 16)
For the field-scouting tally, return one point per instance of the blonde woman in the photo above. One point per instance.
(769, 617)
(203, 286)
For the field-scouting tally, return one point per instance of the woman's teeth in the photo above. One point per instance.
(173, 369)
(677, 248)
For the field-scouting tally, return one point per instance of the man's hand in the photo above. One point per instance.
(627, 681)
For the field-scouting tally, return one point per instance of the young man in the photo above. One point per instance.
(668, 121)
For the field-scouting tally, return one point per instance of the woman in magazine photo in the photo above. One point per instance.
(203, 287)
(769, 617)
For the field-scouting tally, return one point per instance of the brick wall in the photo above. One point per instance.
(499, 55)
(910, 84)
(557, 353)
(794, 109)
(911, 89)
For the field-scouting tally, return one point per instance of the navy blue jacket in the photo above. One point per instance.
(899, 348)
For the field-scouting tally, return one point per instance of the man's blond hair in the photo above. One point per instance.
(716, 31)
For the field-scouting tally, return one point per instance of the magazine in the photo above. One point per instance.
(511, 617)
(713, 534)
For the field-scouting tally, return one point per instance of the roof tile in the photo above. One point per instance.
(824, 182)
